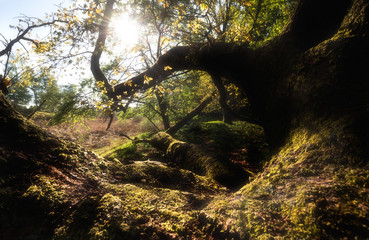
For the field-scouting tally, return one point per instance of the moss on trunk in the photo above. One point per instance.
(192, 157)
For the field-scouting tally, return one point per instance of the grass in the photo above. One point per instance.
(92, 133)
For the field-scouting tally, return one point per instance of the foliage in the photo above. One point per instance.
(72, 108)
(163, 24)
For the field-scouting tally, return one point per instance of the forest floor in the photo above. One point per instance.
(133, 191)
(248, 153)
(56, 189)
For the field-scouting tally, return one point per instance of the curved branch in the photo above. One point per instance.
(99, 48)
(205, 57)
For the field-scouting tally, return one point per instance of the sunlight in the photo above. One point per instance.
(126, 30)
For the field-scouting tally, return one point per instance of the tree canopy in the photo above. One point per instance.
(85, 30)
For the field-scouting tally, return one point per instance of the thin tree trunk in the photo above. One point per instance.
(205, 102)
(163, 107)
(37, 109)
(227, 113)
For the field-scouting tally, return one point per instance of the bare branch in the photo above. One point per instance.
(22, 34)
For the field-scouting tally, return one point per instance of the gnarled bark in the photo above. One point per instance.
(191, 157)
(258, 72)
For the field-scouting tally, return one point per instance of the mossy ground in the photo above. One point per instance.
(314, 187)
(54, 189)
(303, 193)
(308, 190)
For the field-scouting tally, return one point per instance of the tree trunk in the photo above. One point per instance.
(163, 109)
(191, 157)
(227, 113)
(312, 96)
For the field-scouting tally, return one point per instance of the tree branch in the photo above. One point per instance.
(22, 35)
(99, 48)
(205, 57)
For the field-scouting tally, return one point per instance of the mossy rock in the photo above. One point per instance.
(140, 200)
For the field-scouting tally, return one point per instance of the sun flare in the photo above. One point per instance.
(126, 30)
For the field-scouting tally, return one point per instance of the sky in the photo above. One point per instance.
(31, 8)
(15, 8)
(38, 8)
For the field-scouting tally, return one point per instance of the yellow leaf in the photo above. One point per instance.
(167, 68)
(203, 6)
(147, 79)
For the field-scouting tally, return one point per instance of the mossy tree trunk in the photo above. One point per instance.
(271, 75)
(192, 157)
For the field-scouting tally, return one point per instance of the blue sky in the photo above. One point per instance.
(10, 9)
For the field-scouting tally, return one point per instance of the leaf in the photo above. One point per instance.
(147, 79)
(203, 6)
(167, 68)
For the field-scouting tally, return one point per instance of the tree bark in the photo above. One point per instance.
(99, 48)
(227, 113)
(163, 107)
(191, 157)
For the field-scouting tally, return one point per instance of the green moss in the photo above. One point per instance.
(48, 190)
(128, 211)
(225, 136)
(125, 151)
(306, 191)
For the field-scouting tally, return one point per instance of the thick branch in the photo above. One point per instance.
(206, 57)
(312, 21)
(99, 48)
